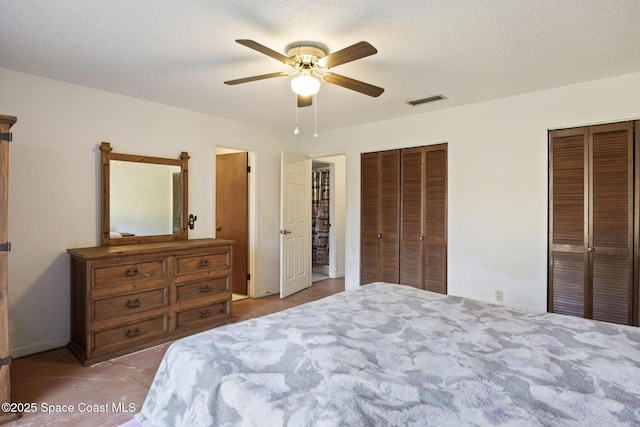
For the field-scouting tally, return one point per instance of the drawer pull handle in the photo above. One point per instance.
(204, 313)
(204, 288)
(134, 303)
(203, 263)
(132, 333)
(131, 272)
(223, 310)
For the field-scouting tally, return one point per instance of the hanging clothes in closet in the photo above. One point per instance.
(320, 217)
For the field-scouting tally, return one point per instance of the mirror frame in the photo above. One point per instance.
(106, 156)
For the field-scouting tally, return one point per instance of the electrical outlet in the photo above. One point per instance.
(499, 295)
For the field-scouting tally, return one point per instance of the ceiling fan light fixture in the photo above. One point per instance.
(305, 85)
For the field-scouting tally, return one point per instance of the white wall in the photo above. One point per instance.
(54, 187)
(497, 150)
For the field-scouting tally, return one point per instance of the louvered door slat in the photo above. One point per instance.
(610, 289)
(568, 271)
(568, 188)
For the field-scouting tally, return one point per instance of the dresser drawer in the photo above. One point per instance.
(203, 262)
(202, 288)
(114, 274)
(207, 314)
(129, 303)
(130, 333)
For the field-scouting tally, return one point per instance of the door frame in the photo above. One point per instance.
(337, 213)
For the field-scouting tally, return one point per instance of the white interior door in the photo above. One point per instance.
(295, 224)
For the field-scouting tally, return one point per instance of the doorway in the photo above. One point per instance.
(232, 213)
(320, 219)
(328, 217)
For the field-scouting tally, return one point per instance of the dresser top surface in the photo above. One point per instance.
(146, 248)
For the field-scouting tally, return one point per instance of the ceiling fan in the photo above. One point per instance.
(310, 61)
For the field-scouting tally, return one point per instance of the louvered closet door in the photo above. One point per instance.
(568, 216)
(435, 222)
(411, 242)
(424, 218)
(591, 235)
(611, 222)
(390, 216)
(370, 217)
(379, 239)
(636, 227)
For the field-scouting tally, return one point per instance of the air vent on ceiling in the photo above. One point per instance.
(425, 100)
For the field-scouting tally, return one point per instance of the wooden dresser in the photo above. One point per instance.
(130, 297)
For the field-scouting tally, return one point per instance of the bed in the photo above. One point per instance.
(392, 355)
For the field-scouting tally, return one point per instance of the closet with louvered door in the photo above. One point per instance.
(423, 242)
(591, 222)
(379, 221)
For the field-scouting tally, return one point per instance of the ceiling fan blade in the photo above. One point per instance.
(349, 83)
(269, 52)
(348, 54)
(254, 78)
(305, 101)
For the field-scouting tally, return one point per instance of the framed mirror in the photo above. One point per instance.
(144, 199)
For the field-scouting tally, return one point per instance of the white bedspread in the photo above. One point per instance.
(393, 355)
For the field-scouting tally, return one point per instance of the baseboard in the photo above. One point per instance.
(322, 269)
(9, 416)
(26, 350)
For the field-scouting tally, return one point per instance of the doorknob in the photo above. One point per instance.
(591, 249)
(218, 228)
(285, 232)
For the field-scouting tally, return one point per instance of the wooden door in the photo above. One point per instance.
(591, 222)
(568, 217)
(424, 218)
(232, 212)
(5, 384)
(380, 216)
(435, 219)
(369, 217)
(390, 216)
(636, 227)
(610, 244)
(295, 225)
(412, 202)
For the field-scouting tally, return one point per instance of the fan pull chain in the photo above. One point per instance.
(315, 115)
(296, 130)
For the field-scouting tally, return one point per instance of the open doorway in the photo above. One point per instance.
(328, 217)
(232, 213)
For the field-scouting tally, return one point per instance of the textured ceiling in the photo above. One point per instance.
(180, 52)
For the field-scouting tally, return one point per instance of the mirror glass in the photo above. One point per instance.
(144, 199)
